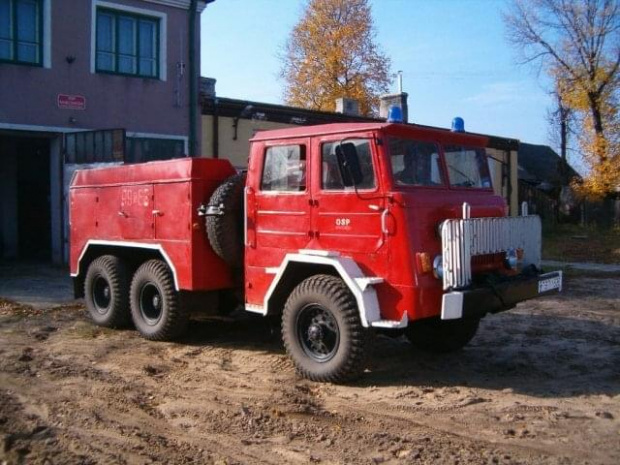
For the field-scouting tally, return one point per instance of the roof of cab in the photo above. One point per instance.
(318, 129)
(343, 128)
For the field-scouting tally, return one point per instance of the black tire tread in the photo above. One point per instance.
(335, 290)
(175, 319)
(225, 232)
(117, 274)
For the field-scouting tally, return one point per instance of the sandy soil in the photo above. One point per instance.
(539, 384)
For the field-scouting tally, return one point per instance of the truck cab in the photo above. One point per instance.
(380, 195)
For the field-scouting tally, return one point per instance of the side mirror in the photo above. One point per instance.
(349, 164)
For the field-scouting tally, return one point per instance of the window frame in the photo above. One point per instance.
(445, 183)
(116, 14)
(349, 189)
(303, 152)
(14, 38)
(475, 149)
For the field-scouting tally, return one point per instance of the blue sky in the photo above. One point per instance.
(454, 55)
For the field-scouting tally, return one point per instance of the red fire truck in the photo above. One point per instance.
(340, 230)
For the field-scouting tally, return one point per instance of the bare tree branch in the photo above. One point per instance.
(577, 43)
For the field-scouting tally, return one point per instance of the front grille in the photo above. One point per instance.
(487, 262)
(463, 240)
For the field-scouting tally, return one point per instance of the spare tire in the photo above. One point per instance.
(225, 231)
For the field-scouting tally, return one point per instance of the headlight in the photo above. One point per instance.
(512, 259)
(438, 230)
(438, 267)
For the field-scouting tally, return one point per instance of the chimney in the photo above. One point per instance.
(399, 100)
(207, 87)
(347, 106)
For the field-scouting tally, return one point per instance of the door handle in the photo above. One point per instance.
(384, 227)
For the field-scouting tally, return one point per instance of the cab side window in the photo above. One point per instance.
(284, 169)
(331, 177)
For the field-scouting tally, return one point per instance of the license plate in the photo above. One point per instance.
(550, 284)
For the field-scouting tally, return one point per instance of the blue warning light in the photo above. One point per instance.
(395, 114)
(458, 125)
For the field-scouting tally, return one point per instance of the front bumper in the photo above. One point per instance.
(498, 297)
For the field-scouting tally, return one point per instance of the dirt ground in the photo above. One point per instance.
(539, 384)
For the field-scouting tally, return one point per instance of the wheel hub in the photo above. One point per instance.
(101, 294)
(151, 303)
(315, 333)
(318, 332)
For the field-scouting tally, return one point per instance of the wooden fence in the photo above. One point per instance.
(604, 213)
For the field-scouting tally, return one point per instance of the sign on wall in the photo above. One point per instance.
(71, 102)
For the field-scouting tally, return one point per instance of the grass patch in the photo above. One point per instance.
(572, 243)
(568, 272)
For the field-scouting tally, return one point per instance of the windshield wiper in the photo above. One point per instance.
(469, 181)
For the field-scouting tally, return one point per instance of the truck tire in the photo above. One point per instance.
(322, 331)
(155, 308)
(225, 232)
(106, 292)
(441, 336)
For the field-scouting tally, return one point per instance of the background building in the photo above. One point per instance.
(228, 125)
(69, 71)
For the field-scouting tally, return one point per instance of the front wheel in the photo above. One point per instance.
(322, 331)
(441, 336)
(155, 308)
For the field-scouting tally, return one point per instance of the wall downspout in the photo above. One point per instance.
(193, 79)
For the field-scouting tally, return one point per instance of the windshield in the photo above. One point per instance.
(414, 163)
(467, 167)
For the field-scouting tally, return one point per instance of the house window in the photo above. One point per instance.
(21, 31)
(104, 146)
(127, 44)
(143, 149)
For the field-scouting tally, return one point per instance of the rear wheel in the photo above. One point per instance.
(442, 336)
(155, 307)
(322, 331)
(106, 292)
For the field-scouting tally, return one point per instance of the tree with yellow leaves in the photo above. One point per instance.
(331, 53)
(577, 42)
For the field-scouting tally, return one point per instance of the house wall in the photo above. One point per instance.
(500, 183)
(28, 94)
(156, 108)
(234, 150)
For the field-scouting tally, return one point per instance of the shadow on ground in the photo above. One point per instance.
(536, 355)
(39, 285)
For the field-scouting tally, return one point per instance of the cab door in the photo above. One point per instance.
(278, 210)
(347, 219)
